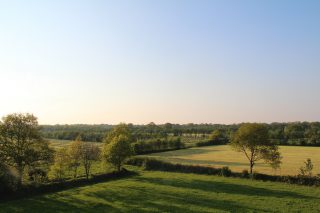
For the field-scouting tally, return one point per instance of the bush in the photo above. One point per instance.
(38, 175)
(157, 145)
(8, 180)
(245, 173)
(211, 143)
(225, 171)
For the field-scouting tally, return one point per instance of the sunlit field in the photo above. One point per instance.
(174, 192)
(57, 144)
(218, 156)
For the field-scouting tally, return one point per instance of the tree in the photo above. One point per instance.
(74, 153)
(117, 151)
(21, 144)
(120, 129)
(306, 170)
(217, 136)
(252, 139)
(60, 165)
(89, 154)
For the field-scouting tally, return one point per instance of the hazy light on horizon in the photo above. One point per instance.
(160, 61)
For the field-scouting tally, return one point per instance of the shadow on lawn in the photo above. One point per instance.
(222, 187)
(203, 162)
(141, 199)
(132, 195)
(183, 152)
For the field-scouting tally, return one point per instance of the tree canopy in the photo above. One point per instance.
(252, 139)
(21, 144)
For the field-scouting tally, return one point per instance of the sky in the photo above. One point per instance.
(177, 61)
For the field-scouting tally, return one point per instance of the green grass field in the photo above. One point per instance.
(218, 156)
(174, 192)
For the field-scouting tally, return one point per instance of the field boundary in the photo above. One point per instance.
(158, 165)
(33, 190)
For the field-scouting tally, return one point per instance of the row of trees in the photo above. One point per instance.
(298, 133)
(23, 152)
(157, 145)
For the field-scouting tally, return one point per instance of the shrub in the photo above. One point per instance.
(306, 170)
(225, 171)
(157, 145)
(245, 173)
(38, 175)
(8, 180)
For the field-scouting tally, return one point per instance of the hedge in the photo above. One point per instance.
(157, 165)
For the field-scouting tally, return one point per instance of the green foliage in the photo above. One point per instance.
(21, 144)
(90, 153)
(252, 139)
(8, 179)
(60, 166)
(218, 137)
(74, 153)
(297, 133)
(119, 130)
(157, 145)
(225, 171)
(118, 151)
(306, 170)
(38, 175)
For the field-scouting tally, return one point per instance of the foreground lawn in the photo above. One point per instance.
(174, 192)
(219, 156)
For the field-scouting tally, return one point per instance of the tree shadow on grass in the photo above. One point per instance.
(183, 152)
(142, 199)
(56, 204)
(204, 162)
(223, 187)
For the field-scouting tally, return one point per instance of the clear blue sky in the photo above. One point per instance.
(164, 61)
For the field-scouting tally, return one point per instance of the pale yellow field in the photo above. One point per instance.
(218, 156)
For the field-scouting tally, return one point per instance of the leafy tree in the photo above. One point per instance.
(89, 154)
(21, 144)
(306, 170)
(75, 155)
(118, 151)
(218, 137)
(252, 139)
(121, 129)
(60, 165)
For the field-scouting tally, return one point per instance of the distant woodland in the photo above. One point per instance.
(296, 133)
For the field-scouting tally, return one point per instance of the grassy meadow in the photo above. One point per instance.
(174, 192)
(223, 155)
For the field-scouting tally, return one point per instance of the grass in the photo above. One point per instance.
(57, 144)
(174, 192)
(219, 156)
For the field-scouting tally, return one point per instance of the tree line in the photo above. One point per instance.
(296, 133)
(26, 157)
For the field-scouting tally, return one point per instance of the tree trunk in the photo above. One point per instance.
(87, 173)
(251, 168)
(20, 174)
(75, 173)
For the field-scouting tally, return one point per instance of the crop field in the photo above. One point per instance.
(219, 156)
(174, 192)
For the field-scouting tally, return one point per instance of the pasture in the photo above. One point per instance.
(223, 155)
(174, 192)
